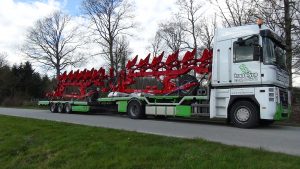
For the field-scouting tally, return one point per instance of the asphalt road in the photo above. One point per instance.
(283, 139)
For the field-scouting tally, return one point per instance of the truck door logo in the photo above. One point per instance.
(245, 75)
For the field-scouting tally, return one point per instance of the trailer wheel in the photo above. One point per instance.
(244, 114)
(135, 109)
(53, 107)
(60, 108)
(68, 108)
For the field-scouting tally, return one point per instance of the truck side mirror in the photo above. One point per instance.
(240, 41)
(257, 53)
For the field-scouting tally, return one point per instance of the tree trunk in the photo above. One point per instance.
(195, 42)
(288, 39)
(111, 55)
(57, 73)
(123, 65)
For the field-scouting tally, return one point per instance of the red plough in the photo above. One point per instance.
(82, 84)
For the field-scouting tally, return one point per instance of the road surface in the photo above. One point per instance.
(283, 139)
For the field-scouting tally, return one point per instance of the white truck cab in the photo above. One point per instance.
(249, 76)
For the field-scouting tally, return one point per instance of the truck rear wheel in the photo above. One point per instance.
(244, 114)
(135, 109)
(53, 107)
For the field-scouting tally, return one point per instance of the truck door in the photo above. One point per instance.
(246, 67)
(222, 63)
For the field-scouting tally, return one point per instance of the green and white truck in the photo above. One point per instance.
(248, 85)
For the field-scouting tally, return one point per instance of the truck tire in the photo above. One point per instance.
(244, 114)
(184, 79)
(53, 107)
(60, 108)
(68, 108)
(135, 109)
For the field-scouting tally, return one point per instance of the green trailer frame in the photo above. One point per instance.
(154, 105)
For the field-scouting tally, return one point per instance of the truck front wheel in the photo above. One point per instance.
(135, 109)
(244, 114)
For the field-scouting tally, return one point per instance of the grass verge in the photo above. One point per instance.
(29, 143)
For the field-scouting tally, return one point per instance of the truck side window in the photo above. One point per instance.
(243, 49)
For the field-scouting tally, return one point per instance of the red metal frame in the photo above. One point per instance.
(164, 72)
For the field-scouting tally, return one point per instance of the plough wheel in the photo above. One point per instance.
(184, 79)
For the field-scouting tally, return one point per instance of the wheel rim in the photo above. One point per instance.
(243, 114)
(133, 110)
(68, 108)
(52, 108)
(60, 107)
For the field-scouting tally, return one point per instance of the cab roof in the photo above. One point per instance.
(237, 32)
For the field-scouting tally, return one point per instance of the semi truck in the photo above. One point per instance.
(243, 79)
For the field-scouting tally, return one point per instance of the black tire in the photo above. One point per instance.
(184, 79)
(135, 109)
(68, 108)
(53, 107)
(244, 114)
(60, 108)
(264, 122)
(160, 117)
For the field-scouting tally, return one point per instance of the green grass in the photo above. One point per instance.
(28, 143)
(27, 107)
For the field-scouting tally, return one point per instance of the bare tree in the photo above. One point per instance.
(190, 14)
(296, 40)
(173, 35)
(121, 53)
(53, 43)
(156, 45)
(109, 18)
(3, 61)
(207, 32)
(236, 12)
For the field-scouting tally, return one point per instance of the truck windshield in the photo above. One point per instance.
(273, 53)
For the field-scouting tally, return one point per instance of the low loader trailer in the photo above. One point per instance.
(244, 80)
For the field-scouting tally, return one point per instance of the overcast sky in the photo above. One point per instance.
(16, 16)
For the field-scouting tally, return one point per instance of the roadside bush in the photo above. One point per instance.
(12, 102)
(20, 83)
